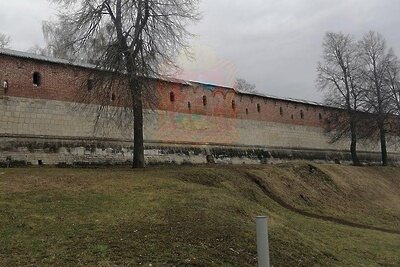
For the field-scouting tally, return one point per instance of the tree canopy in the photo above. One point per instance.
(362, 78)
(128, 40)
(4, 40)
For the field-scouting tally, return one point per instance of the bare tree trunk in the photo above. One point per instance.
(382, 134)
(138, 144)
(353, 145)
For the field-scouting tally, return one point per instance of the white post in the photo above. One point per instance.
(262, 241)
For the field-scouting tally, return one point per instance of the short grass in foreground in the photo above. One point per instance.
(183, 216)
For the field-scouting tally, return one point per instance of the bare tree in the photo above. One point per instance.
(128, 40)
(4, 40)
(61, 43)
(376, 62)
(393, 81)
(338, 77)
(36, 49)
(244, 86)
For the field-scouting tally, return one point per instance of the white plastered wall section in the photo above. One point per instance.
(28, 117)
(22, 116)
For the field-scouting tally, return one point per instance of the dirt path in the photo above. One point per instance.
(262, 185)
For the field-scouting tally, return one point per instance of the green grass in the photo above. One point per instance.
(187, 216)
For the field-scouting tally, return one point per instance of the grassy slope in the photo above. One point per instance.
(363, 195)
(194, 216)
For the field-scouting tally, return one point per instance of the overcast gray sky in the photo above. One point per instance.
(273, 44)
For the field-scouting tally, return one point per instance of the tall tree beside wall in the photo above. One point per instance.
(376, 64)
(128, 40)
(338, 77)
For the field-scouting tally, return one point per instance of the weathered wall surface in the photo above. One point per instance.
(48, 118)
(55, 131)
(64, 83)
(47, 122)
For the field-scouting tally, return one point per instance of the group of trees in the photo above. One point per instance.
(362, 79)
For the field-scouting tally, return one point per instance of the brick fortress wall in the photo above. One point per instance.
(46, 123)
